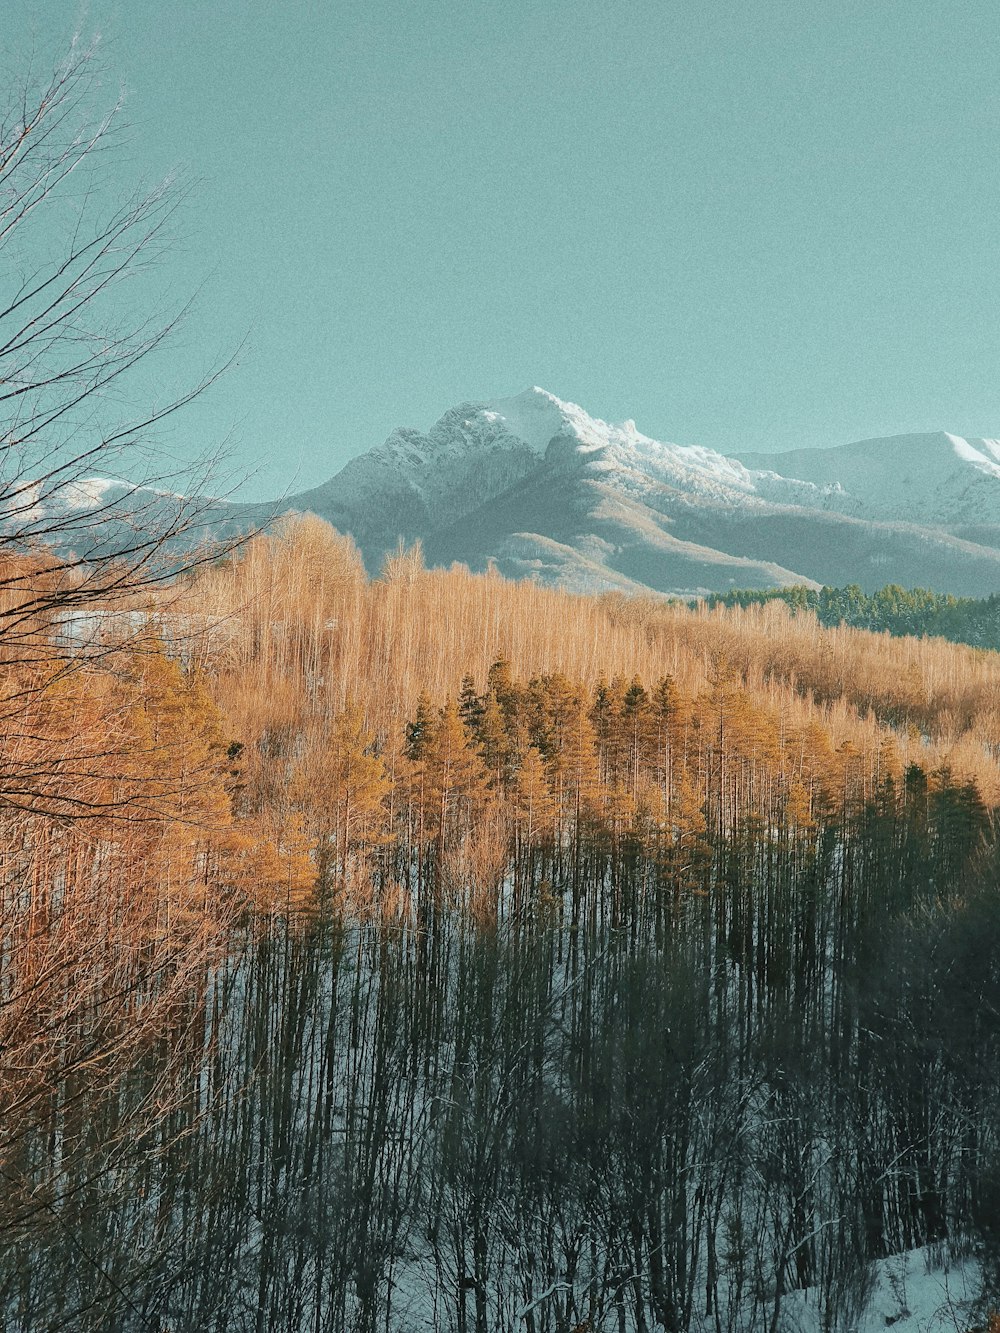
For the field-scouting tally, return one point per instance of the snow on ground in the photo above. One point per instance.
(917, 1292)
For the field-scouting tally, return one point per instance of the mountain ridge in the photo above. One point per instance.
(539, 488)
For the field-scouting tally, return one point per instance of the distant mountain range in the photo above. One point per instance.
(541, 489)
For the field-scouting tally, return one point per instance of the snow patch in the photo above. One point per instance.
(916, 1292)
(89, 493)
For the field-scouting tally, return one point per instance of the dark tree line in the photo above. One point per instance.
(893, 609)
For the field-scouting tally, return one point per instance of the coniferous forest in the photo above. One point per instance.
(433, 951)
(895, 610)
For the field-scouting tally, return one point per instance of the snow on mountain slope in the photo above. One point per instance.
(931, 478)
(415, 481)
(532, 427)
(536, 417)
(918, 1291)
(97, 517)
(476, 449)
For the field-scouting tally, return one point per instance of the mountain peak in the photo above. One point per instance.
(536, 391)
(538, 417)
(534, 416)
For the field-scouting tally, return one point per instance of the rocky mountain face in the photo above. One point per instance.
(543, 490)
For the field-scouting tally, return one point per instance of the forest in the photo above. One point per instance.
(435, 951)
(892, 609)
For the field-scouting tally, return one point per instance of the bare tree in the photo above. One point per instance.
(69, 344)
(104, 949)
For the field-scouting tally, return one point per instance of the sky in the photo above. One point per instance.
(746, 224)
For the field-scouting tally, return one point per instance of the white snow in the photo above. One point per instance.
(984, 454)
(534, 416)
(930, 478)
(90, 492)
(424, 482)
(934, 478)
(915, 1292)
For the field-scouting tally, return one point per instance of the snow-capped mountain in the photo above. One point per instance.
(542, 489)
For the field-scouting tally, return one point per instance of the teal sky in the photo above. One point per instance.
(759, 223)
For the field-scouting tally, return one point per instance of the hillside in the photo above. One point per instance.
(899, 611)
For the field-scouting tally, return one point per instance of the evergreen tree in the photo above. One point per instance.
(535, 803)
(495, 742)
(418, 732)
(455, 779)
(470, 705)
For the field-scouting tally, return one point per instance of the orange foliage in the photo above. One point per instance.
(310, 635)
